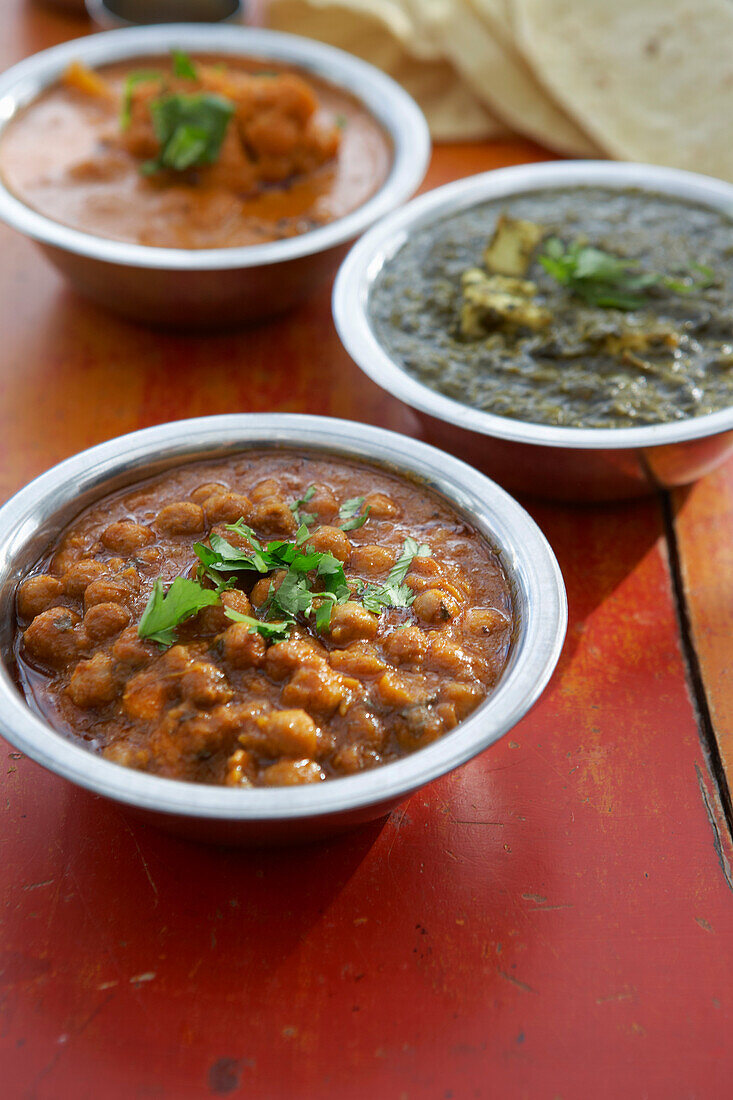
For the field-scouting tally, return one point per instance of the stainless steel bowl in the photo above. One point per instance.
(110, 14)
(36, 515)
(214, 286)
(580, 464)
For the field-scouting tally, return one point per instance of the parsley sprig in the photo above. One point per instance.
(353, 513)
(166, 610)
(312, 585)
(394, 592)
(190, 129)
(304, 517)
(602, 279)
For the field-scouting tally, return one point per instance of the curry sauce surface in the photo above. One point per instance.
(62, 156)
(222, 704)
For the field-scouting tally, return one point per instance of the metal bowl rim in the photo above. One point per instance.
(385, 100)
(364, 261)
(525, 554)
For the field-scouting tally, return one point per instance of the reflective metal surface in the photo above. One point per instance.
(35, 516)
(215, 286)
(580, 464)
(110, 14)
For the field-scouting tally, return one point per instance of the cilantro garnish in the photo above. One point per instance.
(183, 66)
(131, 82)
(296, 595)
(303, 566)
(350, 511)
(166, 610)
(601, 279)
(304, 517)
(190, 129)
(394, 592)
(273, 632)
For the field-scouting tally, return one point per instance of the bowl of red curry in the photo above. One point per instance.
(268, 627)
(197, 175)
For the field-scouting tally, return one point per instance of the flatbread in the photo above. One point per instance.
(649, 81)
(384, 33)
(478, 38)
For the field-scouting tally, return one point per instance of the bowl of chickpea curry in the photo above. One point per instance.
(263, 627)
(200, 175)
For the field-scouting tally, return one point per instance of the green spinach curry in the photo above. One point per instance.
(585, 308)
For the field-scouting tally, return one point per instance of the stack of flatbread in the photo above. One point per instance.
(646, 80)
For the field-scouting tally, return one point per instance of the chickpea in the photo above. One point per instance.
(205, 685)
(290, 773)
(366, 727)
(239, 767)
(463, 697)
(93, 682)
(331, 540)
(360, 659)
(80, 576)
(273, 516)
(323, 504)
(227, 507)
(131, 649)
(37, 594)
(355, 758)
(417, 726)
(289, 733)
(104, 620)
(435, 606)
(479, 622)
(122, 752)
(447, 657)
(208, 489)
(371, 560)
(212, 620)
(107, 590)
(145, 696)
(406, 646)
(400, 689)
(184, 517)
(316, 690)
(264, 489)
(381, 506)
(125, 537)
(283, 658)
(351, 622)
(51, 636)
(261, 588)
(242, 649)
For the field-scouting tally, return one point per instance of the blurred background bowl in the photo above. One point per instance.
(110, 14)
(574, 464)
(192, 288)
(35, 516)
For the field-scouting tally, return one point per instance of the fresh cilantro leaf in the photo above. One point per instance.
(190, 129)
(142, 76)
(410, 549)
(350, 511)
(273, 632)
(183, 66)
(304, 518)
(165, 610)
(394, 593)
(601, 279)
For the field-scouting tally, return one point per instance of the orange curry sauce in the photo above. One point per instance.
(298, 153)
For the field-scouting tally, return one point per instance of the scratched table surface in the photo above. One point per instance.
(553, 920)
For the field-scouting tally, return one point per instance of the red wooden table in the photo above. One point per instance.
(554, 920)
